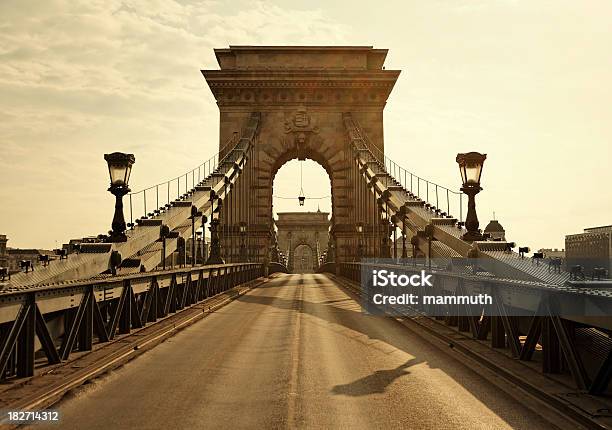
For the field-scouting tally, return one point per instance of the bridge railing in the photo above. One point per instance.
(277, 267)
(105, 308)
(528, 320)
(152, 200)
(443, 198)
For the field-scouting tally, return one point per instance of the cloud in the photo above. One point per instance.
(527, 82)
(79, 79)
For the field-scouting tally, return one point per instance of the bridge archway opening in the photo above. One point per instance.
(295, 175)
(302, 232)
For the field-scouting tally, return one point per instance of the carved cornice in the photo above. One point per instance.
(324, 95)
(317, 87)
(299, 84)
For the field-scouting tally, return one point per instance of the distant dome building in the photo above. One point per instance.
(495, 230)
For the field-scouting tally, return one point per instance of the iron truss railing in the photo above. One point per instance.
(436, 196)
(578, 345)
(106, 308)
(151, 201)
(143, 248)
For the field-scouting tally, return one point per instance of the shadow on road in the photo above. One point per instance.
(377, 382)
(385, 330)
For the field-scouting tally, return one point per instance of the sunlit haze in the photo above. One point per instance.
(527, 82)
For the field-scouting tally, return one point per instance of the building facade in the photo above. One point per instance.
(3, 251)
(590, 249)
(495, 230)
(16, 255)
(552, 253)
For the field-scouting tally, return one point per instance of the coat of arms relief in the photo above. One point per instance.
(300, 127)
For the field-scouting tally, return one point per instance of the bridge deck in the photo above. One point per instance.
(296, 352)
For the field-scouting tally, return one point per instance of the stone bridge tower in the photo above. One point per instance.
(301, 93)
(303, 229)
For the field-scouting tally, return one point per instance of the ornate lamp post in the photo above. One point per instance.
(181, 251)
(195, 213)
(164, 231)
(360, 245)
(403, 211)
(470, 166)
(215, 243)
(243, 232)
(204, 221)
(385, 250)
(331, 250)
(274, 254)
(393, 224)
(119, 170)
(199, 246)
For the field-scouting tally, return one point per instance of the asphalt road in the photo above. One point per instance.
(296, 352)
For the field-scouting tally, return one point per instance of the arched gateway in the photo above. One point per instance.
(302, 95)
(303, 237)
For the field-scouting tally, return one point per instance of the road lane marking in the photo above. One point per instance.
(295, 359)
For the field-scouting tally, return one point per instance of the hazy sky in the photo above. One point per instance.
(527, 82)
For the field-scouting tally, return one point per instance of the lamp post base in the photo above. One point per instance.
(117, 234)
(215, 259)
(471, 220)
(215, 244)
(243, 256)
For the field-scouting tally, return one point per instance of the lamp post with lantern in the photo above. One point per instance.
(360, 239)
(119, 169)
(195, 213)
(470, 166)
(385, 251)
(429, 234)
(215, 243)
(393, 226)
(199, 254)
(403, 214)
(164, 231)
(204, 253)
(243, 232)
